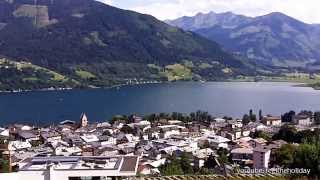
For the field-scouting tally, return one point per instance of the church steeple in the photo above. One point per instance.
(84, 120)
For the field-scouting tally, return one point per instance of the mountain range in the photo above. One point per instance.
(273, 39)
(89, 43)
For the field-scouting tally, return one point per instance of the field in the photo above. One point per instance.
(177, 72)
(85, 74)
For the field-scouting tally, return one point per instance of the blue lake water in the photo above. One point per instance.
(218, 98)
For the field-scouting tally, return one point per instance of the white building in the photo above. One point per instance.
(304, 121)
(218, 141)
(271, 120)
(90, 138)
(4, 132)
(65, 168)
(67, 151)
(18, 145)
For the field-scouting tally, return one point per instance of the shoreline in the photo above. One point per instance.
(15, 91)
(69, 89)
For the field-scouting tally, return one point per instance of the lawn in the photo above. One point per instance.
(85, 74)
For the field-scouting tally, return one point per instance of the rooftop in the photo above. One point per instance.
(121, 163)
(242, 151)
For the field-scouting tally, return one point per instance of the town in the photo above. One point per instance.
(157, 145)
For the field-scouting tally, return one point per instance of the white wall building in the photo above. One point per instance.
(65, 168)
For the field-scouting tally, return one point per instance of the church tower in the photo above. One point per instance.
(84, 120)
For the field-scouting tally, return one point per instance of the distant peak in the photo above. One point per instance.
(205, 14)
(276, 14)
(227, 13)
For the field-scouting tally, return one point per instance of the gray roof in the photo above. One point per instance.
(27, 134)
(259, 149)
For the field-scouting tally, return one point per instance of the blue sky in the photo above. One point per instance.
(304, 10)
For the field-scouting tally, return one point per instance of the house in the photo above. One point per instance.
(177, 122)
(150, 167)
(167, 130)
(89, 138)
(245, 132)
(258, 142)
(67, 151)
(261, 157)
(104, 125)
(26, 128)
(107, 140)
(274, 146)
(50, 136)
(243, 142)
(137, 119)
(302, 120)
(18, 145)
(28, 136)
(4, 132)
(106, 151)
(242, 156)
(234, 124)
(232, 134)
(218, 141)
(74, 140)
(201, 155)
(219, 120)
(271, 120)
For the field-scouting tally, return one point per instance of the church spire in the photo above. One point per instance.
(84, 120)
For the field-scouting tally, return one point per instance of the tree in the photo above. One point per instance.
(4, 166)
(261, 134)
(223, 155)
(260, 115)
(287, 133)
(308, 157)
(288, 117)
(106, 133)
(317, 117)
(210, 163)
(171, 167)
(246, 119)
(204, 171)
(127, 129)
(285, 155)
(185, 163)
(253, 118)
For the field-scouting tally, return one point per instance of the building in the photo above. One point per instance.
(303, 120)
(242, 156)
(50, 136)
(27, 136)
(218, 141)
(84, 120)
(271, 120)
(74, 168)
(261, 158)
(258, 142)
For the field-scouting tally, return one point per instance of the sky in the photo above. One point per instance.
(304, 10)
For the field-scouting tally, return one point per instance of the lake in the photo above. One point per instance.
(218, 98)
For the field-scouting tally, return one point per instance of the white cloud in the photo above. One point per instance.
(305, 10)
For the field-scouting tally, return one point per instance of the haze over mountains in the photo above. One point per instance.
(88, 41)
(275, 38)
